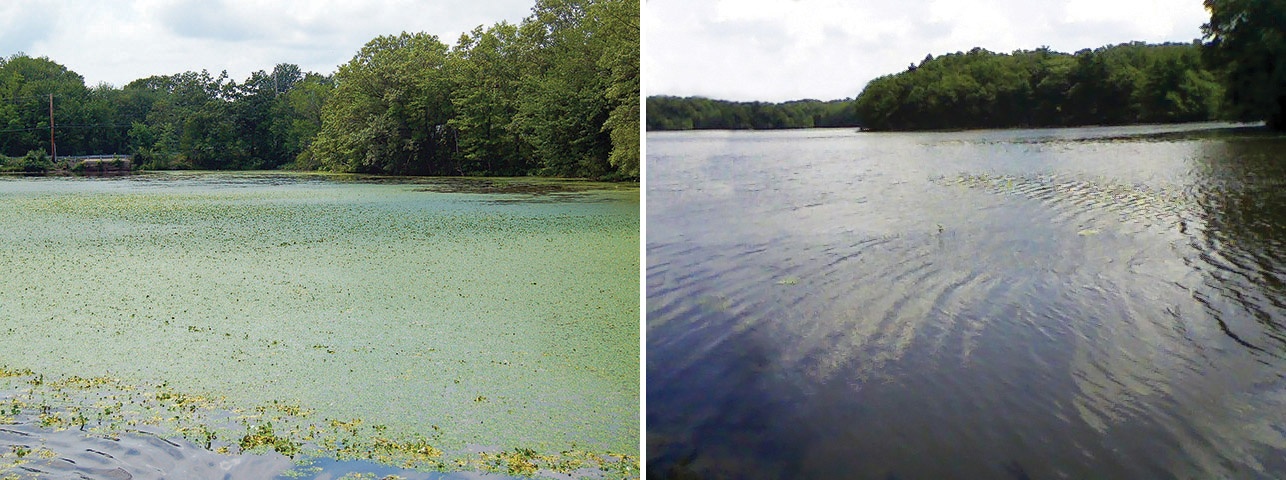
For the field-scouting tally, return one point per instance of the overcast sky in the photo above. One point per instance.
(121, 41)
(777, 50)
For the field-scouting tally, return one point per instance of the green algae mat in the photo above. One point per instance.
(439, 324)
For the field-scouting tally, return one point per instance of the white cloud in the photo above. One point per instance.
(1150, 20)
(23, 24)
(779, 50)
(117, 42)
(976, 23)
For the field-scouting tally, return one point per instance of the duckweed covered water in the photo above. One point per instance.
(477, 321)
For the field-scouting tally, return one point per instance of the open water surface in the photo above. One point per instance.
(1070, 303)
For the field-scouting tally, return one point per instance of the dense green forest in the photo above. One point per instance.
(1238, 74)
(689, 113)
(1128, 83)
(1120, 84)
(557, 94)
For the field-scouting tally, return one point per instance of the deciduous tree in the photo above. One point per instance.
(1247, 41)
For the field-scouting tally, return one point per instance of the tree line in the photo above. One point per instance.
(1113, 85)
(1120, 84)
(699, 113)
(1239, 74)
(556, 95)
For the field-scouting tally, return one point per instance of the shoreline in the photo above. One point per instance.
(98, 426)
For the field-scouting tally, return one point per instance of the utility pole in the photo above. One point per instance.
(52, 146)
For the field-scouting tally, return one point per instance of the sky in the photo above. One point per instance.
(119, 41)
(779, 50)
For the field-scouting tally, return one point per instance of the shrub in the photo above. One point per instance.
(37, 161)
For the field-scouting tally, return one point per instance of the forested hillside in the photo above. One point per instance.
(1121, 84)
(557, 94)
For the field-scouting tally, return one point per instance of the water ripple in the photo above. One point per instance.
(846, 306)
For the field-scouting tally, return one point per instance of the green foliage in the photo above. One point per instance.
(183, 121)
(619, 26)
(297, 119)
(675, 113)
(1121, 84)
(487, 69)
(37, 161)
(1247, 43)
(557, 94)
(564, 106)
(26, 84)
(389, 111)
(34, 162)
(259, 436)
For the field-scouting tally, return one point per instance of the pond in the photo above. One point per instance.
(1068, 303)
(455, 321)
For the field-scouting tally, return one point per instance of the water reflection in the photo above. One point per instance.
(969, 305)
(1244, 243)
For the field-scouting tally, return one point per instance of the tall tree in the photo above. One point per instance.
(25, 86)
(563, 106)
(390, 109)
(187, 122)
(618, 24)
(1247, 39)
(486, 66)
(297, 118)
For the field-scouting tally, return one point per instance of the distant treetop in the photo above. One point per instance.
(1113, 85)
(1119, 84)
(697, 113)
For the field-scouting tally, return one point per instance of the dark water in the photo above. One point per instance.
(1079, 303)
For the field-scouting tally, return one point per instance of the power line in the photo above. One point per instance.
(95, 125)
(62, 127)
(26, 97)
(22, 130)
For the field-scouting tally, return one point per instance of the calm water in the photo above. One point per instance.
(1078, 303)
(482, 315)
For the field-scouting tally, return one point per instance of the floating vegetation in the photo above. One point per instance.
(358, 320)
(107, 408)
(534, 186)
(262, 436)
(714, 304)
(5, 372)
